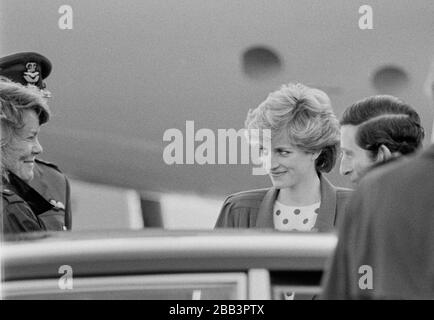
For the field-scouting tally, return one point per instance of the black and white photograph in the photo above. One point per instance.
(217, 150)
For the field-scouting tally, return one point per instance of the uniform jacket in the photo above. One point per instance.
(388, 230)
(22, 207)
(53, 185)
(254, 208)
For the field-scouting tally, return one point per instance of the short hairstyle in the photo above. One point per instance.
(306, 115)
(14, 100)
(387, 120)
(398, 132)
(375, 106)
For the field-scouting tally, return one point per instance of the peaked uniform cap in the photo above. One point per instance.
(26, 68)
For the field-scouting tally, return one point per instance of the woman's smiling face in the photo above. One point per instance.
(287, 165)
(19, 155)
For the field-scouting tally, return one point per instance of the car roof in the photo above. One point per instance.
(38, 256)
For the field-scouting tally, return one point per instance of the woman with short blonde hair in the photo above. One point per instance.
(16, 100)
(304, 143)
(22, 111)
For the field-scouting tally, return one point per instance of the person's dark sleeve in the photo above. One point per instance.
(18, 218)
(338, 276)
(68, 214)
(225, 219)
(239, 212)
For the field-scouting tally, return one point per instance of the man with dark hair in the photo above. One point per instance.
(375, 130)
(31, 68)
(386, 240)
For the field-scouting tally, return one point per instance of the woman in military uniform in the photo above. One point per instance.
(23, 111)
(303, 145)
(32, 68)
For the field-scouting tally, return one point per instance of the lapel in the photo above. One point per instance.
(327, 210)
(265, 212)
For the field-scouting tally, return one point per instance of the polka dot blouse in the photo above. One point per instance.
(289, 218)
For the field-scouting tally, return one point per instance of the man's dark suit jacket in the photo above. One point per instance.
(389, 228)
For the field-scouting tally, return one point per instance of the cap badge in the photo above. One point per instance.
(31, 75)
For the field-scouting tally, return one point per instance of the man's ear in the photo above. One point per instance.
(383, 154)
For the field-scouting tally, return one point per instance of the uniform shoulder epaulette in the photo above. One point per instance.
(9, 195)
(6, 191)
(49, 164)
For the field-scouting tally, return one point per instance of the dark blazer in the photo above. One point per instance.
(254, 208)
(388, 227)
(53, 185)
